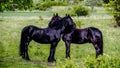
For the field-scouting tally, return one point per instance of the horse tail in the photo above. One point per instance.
(101, 43)
(23, 40)
(96, 33)
(22, 45)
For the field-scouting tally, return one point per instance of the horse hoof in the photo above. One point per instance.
(68, 58)
(27, 59)
(51, 60)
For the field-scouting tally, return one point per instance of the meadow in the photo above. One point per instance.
(82, 55)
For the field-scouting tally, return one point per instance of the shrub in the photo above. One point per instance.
(116, 10)
(103, 62)
(78, 23)
(48, 4)
(13, 4)
(117, 19)
(67, 64)
(71, 11)
(79, 10)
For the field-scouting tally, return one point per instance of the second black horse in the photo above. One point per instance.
(80, 36)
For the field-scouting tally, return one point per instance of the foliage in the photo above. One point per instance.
(79, 10)
(66, 64)
(103, 62)
(93, 3)
(15, 4)
(78, 23)
(48, 4)
(106, 1)
(116, 10)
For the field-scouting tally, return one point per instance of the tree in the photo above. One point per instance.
(15, 4)
(116, 5)
(106, 1)
(93, 3)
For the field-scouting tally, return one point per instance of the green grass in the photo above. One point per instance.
(82, 55)
(26, 13)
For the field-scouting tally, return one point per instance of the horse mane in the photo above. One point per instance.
(59, 24)
(55, 17)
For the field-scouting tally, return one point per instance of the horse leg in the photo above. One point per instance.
(98, 49)
(26, 53)
(67, 43)
(52, 52)
(97, 42)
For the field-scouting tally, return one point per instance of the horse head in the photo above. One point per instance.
(64, 24)
(55, 17)
(70, 24)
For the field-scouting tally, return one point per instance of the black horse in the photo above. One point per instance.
(50, 35)
(80, 36)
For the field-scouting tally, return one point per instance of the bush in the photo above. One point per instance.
(79, 10)
(117, 19)
(103, 62)
(78, 23)
(48, 4)
(116, 10)
(13, 4)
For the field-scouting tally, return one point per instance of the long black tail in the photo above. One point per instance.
(96, 33)
(22, 46)
(101, 44)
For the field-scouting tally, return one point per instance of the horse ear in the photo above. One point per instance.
(56, 14)
(66, 14)
(53, 14)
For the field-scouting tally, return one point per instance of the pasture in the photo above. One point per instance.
(82, 55)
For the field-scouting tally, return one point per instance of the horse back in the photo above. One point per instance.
(40, 35)
(94, 32)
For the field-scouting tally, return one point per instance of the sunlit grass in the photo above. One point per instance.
(81, 54)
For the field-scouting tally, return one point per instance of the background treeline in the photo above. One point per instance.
(38, 4)
(78, 7)
(15, 4)
(114, 6)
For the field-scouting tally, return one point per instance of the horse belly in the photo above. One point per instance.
(43, 40)
(78, 41)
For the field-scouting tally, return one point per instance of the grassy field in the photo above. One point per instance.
(82, 55)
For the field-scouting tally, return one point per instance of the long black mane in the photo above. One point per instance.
(63, 21)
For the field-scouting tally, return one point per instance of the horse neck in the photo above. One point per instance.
(60, 30)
